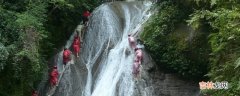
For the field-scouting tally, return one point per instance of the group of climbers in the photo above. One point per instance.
(67, 53)
(138, 55)
(76, 48)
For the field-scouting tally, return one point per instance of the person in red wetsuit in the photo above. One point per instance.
(76, 44)
(139, 55)
(54, 76)
(34, 93)
(85, 17)
(136, 68)
(66, 56)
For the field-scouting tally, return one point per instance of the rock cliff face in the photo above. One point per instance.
(153, 82)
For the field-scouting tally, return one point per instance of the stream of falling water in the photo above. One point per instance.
(105, 67)
(115, 74)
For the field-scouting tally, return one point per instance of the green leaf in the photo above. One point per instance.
(213, 2)
(237, 63)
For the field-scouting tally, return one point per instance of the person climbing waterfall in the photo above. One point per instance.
(131, 41)
(85, 17)
(66, 56)
(136, 68)
(54, 76)
(76, 44)
(34, 93)
(139, 55)
(82, 34)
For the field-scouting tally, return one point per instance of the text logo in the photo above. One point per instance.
(213, 85)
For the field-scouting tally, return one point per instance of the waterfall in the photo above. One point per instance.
(104, 68)
(114, 21)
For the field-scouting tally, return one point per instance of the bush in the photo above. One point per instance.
(170, 49)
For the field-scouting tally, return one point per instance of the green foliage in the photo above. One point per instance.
(20, 35)
(169, 47)
(28, 30)
(224, 40)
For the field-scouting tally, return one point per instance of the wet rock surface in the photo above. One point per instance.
(153, 82)
(83, 77)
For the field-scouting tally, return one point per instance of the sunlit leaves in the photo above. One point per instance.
(212, 2)
(62, 3)
(196, 17)
(26, 20)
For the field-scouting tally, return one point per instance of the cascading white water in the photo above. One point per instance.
(105, 67)
(115, 73)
